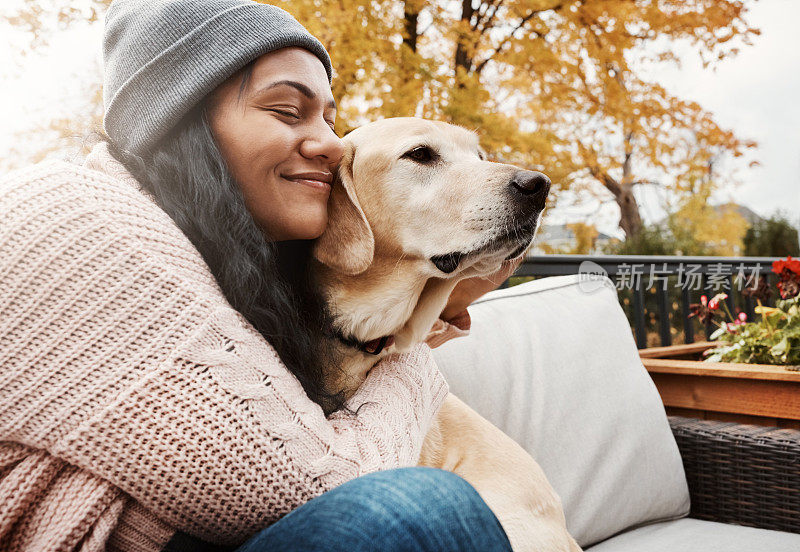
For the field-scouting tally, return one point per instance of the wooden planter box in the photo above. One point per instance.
(743, 393)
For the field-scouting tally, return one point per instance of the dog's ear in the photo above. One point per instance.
(347, 245)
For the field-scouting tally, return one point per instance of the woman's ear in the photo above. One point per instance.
(347, 245)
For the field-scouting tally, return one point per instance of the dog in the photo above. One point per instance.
(415, 208)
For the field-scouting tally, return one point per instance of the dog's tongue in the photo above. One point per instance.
(447, 263)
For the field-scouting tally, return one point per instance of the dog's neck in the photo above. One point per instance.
(371, 304)
(383, 300)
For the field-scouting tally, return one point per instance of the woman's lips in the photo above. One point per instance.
(317, 180)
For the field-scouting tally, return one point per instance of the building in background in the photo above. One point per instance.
(570, 238)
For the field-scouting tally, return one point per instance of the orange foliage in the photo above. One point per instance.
(553, 85)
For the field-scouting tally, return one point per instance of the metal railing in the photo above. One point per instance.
(656, 291)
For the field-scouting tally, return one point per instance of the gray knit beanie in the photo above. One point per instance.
(161, 57)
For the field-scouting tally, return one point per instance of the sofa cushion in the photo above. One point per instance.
(554, 365)
(694, 535)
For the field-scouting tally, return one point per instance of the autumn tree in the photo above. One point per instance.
(719, 229)
(585, 237)
(554, 85)
(692, 226)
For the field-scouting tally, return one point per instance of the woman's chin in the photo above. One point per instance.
(309, 227)
(305, 223)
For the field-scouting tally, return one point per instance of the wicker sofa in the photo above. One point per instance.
(743, 474)
(554, 365)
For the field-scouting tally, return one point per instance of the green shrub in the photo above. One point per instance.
(772, 237)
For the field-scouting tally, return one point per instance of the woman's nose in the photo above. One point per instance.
(323, 142)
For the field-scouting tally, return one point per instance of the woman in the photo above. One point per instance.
(161, 384)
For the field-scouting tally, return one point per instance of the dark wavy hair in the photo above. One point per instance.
(269, 283)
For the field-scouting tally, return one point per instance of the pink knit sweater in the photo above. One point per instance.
(134, 401)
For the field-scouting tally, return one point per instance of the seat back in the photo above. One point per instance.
(554, 365)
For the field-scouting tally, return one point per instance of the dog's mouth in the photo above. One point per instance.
(522, 237)
(518, 251)
(519, 238)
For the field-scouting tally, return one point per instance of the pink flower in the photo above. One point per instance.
(733, 327)
(714, 303)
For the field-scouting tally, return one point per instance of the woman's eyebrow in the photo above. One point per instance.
(302, 88)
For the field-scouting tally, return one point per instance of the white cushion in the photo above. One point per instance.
(694, 535)
(554, 365)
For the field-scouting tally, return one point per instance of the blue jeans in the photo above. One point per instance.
(402, 510)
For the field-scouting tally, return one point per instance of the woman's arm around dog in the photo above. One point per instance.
(135, 401)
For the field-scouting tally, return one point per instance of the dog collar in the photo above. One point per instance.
(373, 347)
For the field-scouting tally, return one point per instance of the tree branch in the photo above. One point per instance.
(626, 163)
(590, 159)
(488, 24)
(462, 58)
(646, 182)
(410, 17)
(508, 38)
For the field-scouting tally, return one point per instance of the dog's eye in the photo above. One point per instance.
(421, 154)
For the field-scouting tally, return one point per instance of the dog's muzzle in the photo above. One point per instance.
(528, 190)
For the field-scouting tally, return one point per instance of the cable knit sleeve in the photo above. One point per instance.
(122, 358)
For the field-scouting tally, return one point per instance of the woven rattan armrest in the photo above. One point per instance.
(743, 474)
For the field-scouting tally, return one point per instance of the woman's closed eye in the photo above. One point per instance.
(295, 115)
(285, 112)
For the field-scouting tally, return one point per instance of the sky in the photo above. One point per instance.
(756, 94)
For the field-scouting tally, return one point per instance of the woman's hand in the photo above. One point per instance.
(469, 289)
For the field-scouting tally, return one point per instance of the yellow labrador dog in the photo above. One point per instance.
(416, 208)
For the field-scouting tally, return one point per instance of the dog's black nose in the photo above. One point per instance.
(529, 190)
(530, 183)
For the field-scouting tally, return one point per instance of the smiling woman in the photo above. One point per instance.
(274, 126)
(160, 337)
(228, 174)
